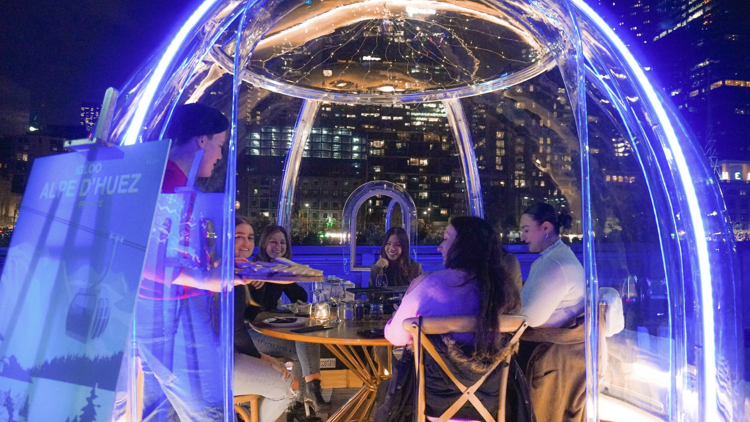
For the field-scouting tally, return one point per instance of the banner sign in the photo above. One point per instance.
(70, 280)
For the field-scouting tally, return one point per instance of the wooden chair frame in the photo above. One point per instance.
(460, 324)
(252, 399)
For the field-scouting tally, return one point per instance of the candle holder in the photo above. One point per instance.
(322, 312)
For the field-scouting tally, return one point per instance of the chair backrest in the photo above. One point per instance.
(460, 324)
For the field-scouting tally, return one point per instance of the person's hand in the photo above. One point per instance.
(381, 263)
(256, 284)
(238, 259)
(275, 364)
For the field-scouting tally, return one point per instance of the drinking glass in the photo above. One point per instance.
(337, 293)
(376, 311)
(381, 280)
(318, 289)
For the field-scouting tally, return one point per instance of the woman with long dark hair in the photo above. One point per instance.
(473, 283)
(275, 243)
(395, 260)
(254, 372)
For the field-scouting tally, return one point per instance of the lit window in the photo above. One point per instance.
(377, 169)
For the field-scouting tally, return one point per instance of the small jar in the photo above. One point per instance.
(376, 311)
(359, 311)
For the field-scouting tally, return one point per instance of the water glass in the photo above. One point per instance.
(337, 293)
(318, 289)
(381, 280)
(359, 311)
(346, 311)
(376, 311)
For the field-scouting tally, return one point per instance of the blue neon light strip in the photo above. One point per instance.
(144, 103)
(707, 305)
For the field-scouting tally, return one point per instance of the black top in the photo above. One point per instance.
(268, 297)
(395, 278)
(243, 343)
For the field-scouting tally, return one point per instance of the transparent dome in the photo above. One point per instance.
(575, 122)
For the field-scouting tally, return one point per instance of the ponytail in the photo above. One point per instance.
(546, 213)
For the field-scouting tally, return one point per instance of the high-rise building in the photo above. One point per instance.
(697, 51)
(17, 152)
(350, 144)
(735, 185)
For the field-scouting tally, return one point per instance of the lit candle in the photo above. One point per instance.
(322, 312)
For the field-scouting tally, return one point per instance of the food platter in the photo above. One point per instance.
(276, 278)
(280, 270)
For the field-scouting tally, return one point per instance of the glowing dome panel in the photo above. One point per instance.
(393, 46)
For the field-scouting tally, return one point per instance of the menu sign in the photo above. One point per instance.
(70, 279)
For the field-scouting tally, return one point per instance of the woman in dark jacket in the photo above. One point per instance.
(274, 243)
(395, 261)
(254, 372)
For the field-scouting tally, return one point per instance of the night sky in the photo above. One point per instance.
(67, 52)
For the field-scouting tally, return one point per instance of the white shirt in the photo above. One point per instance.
(554, 291)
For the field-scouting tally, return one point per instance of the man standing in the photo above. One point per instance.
(176, 342)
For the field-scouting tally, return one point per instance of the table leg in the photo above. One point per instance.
(370, 370)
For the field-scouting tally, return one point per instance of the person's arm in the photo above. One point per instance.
(416, 282)
(514, 269)
(409, 308)
(377, 268)
(243, 343)
(542, 295)
(295, 292)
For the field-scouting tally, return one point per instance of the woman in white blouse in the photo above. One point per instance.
(552, 300)
(554, 290)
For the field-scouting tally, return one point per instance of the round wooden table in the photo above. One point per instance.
(355, 351)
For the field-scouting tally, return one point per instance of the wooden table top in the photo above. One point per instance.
(344, 333)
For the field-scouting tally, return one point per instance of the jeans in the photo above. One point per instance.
(180, 357)
(307, 354)
(255, 376)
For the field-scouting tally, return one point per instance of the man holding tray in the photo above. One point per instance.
(176, 341)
